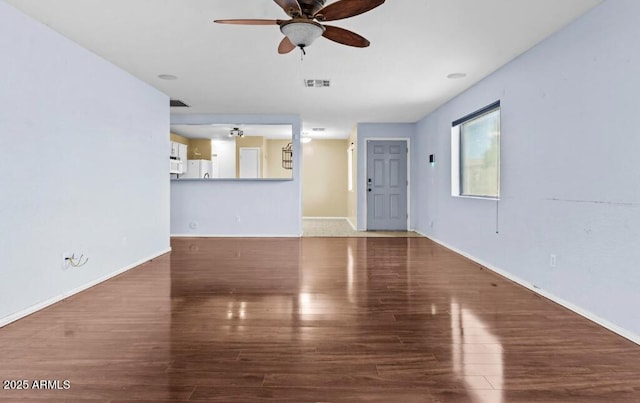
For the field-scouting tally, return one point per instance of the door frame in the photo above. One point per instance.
(365, 155)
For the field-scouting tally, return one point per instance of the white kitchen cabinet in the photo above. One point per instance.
(178, 158)
(182, 152)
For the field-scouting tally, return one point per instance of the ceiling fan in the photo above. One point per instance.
(303, 28)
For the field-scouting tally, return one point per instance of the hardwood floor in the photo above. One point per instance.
(315, 320)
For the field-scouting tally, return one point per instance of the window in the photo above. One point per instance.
(475, 154)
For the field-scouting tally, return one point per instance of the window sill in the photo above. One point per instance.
(477, 197)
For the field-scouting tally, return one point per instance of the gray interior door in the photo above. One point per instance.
(387, 185)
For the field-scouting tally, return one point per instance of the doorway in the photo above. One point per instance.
(387, 185)
(249, 162)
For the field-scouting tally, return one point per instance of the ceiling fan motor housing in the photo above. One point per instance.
(311, 7)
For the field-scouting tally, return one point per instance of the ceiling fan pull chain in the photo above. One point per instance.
(303, 54)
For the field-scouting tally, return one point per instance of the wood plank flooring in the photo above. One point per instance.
(315, 320)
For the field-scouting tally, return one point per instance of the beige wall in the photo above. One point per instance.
(324, 178)
(274, 159)
(199, 149)
(264, 164)
(352, 196)
(199, 146)
(178, 139)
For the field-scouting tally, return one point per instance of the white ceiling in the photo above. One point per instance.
(231, 69)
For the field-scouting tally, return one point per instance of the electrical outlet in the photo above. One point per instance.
(553, 260)
(66, 263)
(193, 225)
(237, 218)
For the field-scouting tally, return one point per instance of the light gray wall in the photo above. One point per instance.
(84, 167)
(239, 207)
(570, 171)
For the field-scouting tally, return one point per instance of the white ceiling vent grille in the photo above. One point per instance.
(317, 83)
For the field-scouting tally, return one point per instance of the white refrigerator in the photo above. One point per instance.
(198, 169)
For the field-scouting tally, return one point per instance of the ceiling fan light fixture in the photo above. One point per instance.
(303, 33)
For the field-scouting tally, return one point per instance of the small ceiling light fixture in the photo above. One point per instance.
(302, 32)
(236, 132)
(305, 140)
(168, 77)
(316, 83)
(456, 76)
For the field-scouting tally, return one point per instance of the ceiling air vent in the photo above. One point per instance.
(176, 103)
(317, 83)
(318, 129)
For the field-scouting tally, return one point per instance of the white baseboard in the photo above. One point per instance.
(235, 236)
(324, 218)
(574, 308)
(352, 224)
(35, 308)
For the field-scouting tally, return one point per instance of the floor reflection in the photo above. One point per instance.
(386, 319)
(241, 301)
(351, 267)
(240, 281)
(473, 345)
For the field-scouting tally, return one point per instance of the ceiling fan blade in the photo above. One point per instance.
(249, 22)
(345, 37)
(291, 7)
(346, 8)
(285, 46)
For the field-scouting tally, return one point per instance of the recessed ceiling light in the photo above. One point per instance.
(456, 76)
(169, 77)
